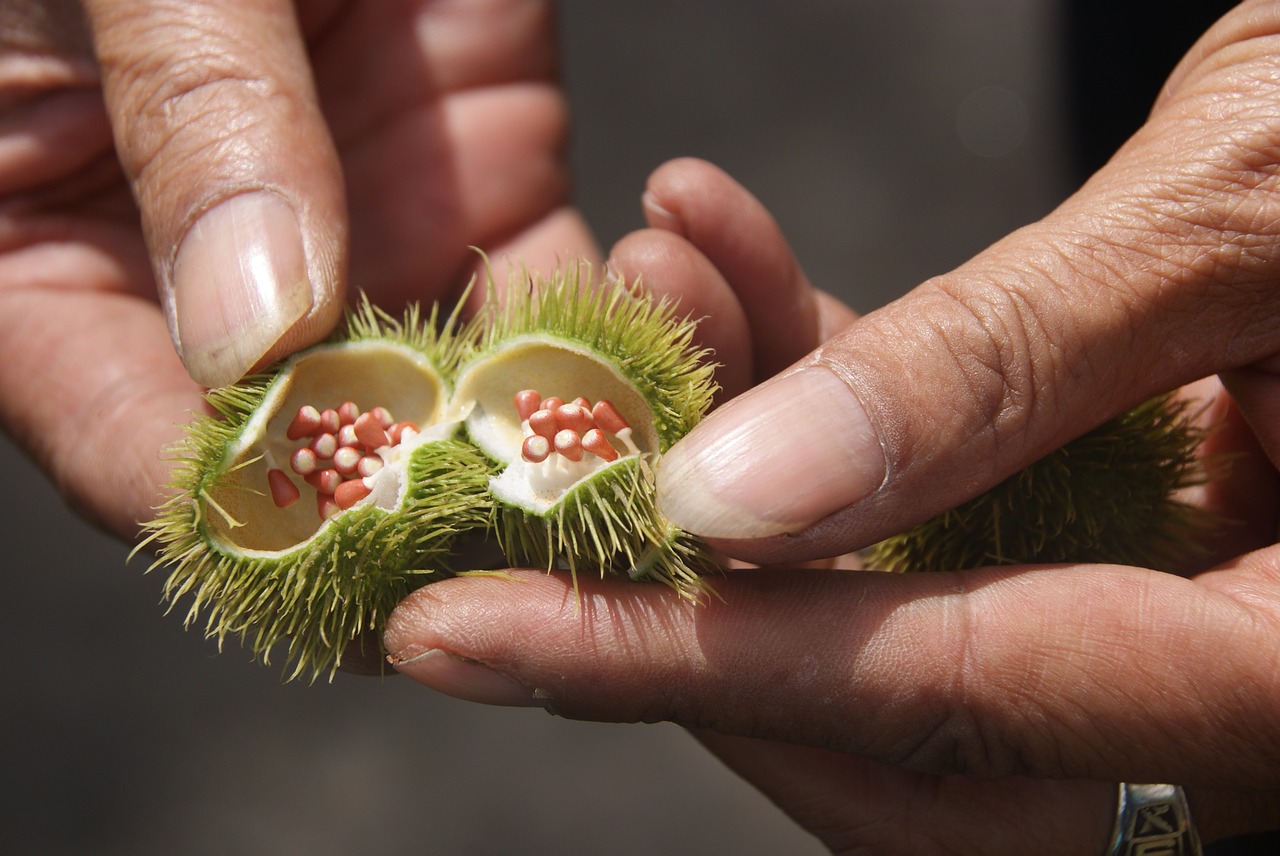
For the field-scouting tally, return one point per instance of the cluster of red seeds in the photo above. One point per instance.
(570, 429)
(339, 455)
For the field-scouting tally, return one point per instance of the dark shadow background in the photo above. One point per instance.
(892, 140)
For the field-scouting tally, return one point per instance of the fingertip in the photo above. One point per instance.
(670, 267)
(240, 287)
(681, 189)
(533, 638)
(560, 239)
(236, 177)
(657, 216)
(466, 679)
(735, 232)
(774, 461)
(455, 635)
(448, 615)
(834, 317)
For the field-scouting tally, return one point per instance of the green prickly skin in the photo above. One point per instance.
(609, 523)
(271, 576)
(567, 340)
(1109, 496)
(638, 337)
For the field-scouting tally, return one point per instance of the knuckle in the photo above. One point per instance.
(1002, 356)
(953, 735)
(197, 96)
(985, 719)
(1201, 204)
(1007, 733)
(959, 744)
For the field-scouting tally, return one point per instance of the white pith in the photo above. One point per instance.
(537, 487)
(389, 485)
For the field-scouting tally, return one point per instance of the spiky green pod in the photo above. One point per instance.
(1109, 496)
(560, 339)
(268, 564)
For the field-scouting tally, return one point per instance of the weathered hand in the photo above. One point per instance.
(249, 160)
(986, 711)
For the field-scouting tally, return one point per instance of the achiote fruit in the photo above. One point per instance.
(574, 393)
(325, 490)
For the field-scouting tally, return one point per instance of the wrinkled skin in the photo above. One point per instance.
(989, 711)
(986, 712)
(402, 132)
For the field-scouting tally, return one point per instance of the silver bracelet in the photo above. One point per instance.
(1153, 820)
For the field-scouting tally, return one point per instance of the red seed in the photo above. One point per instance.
(551, 403)
(608, 417)
(574, 417)
(569, 444)
(544, 423)
(305, 424)
(324, 481)
(535, 448)
(370, 433)
(304, 461)
(582, 402)
(324, 445)
(369, 465)
(383, 416)
(396, 434)
(326, 506)
(284, 492)
(348, 413)
(527, 401)
(597, 444)
(351, 492)
(347, 436)
(346, 459)
(329, 421)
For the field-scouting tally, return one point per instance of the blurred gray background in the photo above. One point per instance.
(892, 140)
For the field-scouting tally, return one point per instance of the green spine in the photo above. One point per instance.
(611, 521)
(1108, 496)
(340, 584)
(643, 338)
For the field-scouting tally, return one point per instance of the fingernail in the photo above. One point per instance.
(658, 216)
(465, 679)
(239, 284)
(775, 460)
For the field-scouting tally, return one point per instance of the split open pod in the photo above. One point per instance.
(574, 393)
(323, 492)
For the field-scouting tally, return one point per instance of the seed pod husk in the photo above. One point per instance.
(614, 348)
(1111, 495)
(311, 576)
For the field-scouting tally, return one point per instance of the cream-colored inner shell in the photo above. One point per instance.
(553, 368)
(371, 373)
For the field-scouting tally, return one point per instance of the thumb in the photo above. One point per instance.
(238, 183)
(1159, 271)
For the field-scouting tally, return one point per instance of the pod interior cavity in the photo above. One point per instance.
(278, 484)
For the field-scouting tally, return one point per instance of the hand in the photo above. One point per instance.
(986, 711)
(244, 157)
